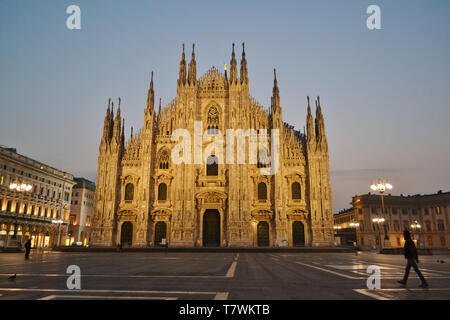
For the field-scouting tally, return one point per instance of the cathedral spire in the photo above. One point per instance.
(310, 123)
(320, 123)
(244, 73)
(192, 76)
(159, 108)
(117, 123)
(151, 96)
(276, 91)
(107, 122)
(233, 67)
(182, 76)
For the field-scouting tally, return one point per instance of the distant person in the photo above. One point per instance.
(413, 259)
(27, 249)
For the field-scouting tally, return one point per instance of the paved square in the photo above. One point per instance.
(219, 276)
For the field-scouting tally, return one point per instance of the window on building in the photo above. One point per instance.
(394, 210)
(162, 192)
(374, 210)
(396, 225)
(404, 211)
(428, 226)
(426, 211)
(443, 241)
(9, 206)
(129, 192)
(212, 166)
(296, 191)
(414, 212)
(72, 219)
(262, 191)
(88, 221)
(441, 225)
(213, 120)
(430, 241)
(164, 160)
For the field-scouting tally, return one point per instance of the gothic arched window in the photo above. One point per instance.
(129, 192)
(213, 120)
(164, 160)
(162, 191)
(262, 191)
(296, 191)
(212, 166)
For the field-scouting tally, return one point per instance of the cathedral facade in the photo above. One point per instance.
(146, 196)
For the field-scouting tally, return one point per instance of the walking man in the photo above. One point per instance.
(413, 259)
(27, 249)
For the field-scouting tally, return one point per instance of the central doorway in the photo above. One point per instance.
(211, 228)
(126, 234)
(263, 234)
(298, 233)
(160, 232)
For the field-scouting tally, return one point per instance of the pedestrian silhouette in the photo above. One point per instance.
(413, 259)
(27, 249)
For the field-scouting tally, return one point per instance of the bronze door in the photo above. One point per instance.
(126, 235)
(263, 234)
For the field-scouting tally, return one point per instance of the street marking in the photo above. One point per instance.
(56, 297)
(370, 294)
(215, 294)
(221, 296)
(118, 275)
(352, 266)
(329, 271)
(232, 270)
(376, 293)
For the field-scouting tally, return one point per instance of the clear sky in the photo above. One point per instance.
(385, 93)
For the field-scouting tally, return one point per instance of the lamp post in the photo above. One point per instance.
(381, 186)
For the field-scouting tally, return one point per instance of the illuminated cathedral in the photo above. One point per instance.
(145, 198)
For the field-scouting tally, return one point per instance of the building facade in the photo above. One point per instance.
(278, 196)
(33, 196)
(426, 216)
(81, 211)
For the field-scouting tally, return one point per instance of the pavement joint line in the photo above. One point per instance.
(329, 271)
(114, 291)
(55, 297)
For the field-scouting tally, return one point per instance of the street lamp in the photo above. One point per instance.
(381, 186)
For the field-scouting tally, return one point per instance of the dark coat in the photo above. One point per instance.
(28, 245)
(410, 249)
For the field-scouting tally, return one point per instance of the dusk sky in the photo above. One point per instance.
(385, 93)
